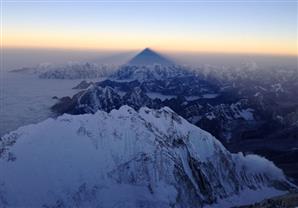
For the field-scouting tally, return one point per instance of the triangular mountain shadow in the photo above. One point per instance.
(149, 57)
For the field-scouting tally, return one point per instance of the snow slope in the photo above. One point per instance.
(150, 158)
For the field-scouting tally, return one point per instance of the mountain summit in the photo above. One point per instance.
(149, 57)
(129, 159)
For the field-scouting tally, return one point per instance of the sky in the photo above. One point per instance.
(261, 27)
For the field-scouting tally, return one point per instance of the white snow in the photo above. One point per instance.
(194, 119)
(247, 114)
(210, 116)
(277, 87)
(122, 159)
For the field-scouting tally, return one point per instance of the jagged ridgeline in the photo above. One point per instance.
(144, 81)
(125, 158)
(124, 146)
(243, 107)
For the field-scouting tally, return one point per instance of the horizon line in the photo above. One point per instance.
(152, 48)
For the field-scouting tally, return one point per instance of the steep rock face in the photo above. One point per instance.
(137, 98)
(104, 98)
(89, 101)
(150, 158)
(99, 98)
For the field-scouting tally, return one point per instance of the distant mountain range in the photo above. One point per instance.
(71, 70)
(242, 107)
(87, 70)
(248, 109)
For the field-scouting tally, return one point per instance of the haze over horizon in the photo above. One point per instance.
(204, 27)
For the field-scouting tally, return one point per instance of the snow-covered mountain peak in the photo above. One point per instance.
(127, 158)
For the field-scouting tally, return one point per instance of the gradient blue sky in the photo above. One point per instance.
(216, 26)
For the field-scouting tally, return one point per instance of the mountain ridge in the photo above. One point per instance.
(128, 158)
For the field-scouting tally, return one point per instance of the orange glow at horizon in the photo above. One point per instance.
(122, 41)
